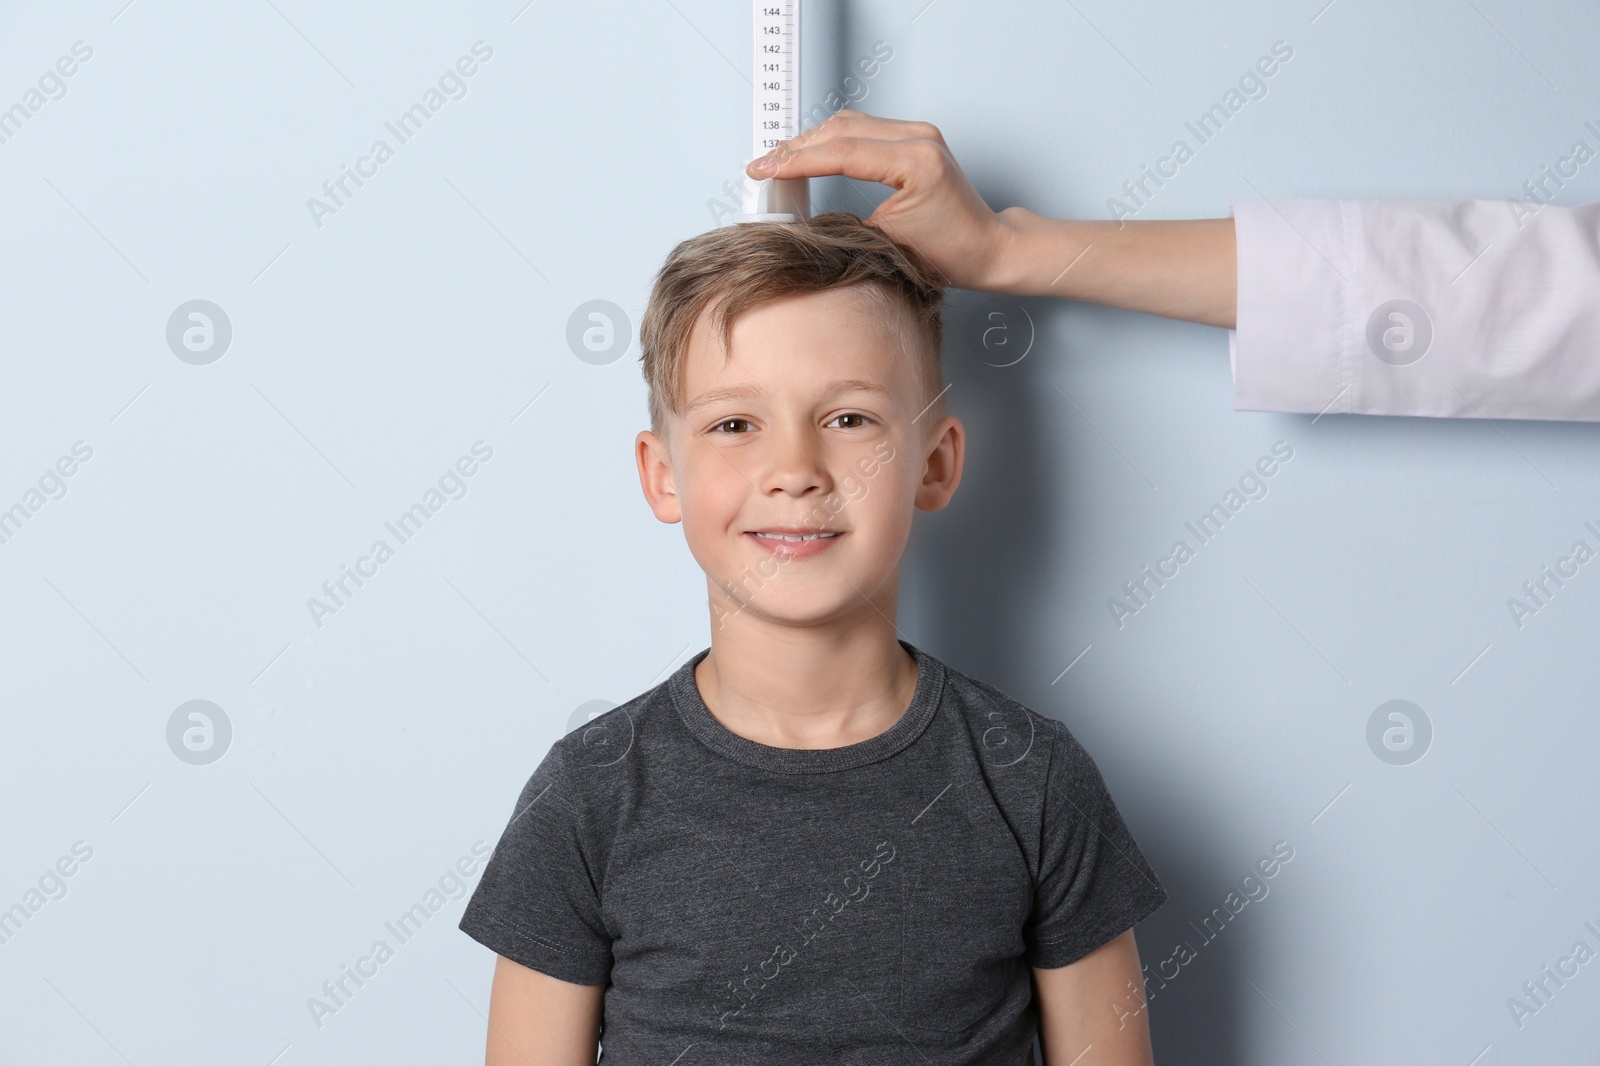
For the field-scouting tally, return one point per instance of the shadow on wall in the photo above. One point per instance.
(972, 588)
(972, 570)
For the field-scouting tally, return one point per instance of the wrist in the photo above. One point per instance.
(1033, 252)
(1006, 269)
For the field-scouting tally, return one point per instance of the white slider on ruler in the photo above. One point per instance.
(776, 74)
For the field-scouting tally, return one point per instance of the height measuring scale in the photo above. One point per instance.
(776, 80)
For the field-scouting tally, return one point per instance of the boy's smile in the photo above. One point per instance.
(799, 458)
(794, 543)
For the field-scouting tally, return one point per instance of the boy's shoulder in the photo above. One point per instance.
(1006, 731)
(608, 738)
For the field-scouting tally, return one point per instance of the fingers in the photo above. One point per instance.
(852, 123)
(864, 159)
(849, 137)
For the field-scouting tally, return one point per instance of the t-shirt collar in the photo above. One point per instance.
(699, 720)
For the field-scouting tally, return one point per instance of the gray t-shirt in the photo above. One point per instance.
(876, 903)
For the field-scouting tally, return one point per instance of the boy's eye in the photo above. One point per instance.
(720, 427)
(861, 420)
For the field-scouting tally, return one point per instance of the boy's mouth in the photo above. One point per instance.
(795, 543)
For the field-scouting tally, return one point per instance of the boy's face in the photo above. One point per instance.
(813, 427)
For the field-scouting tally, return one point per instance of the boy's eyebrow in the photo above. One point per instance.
(750, 392)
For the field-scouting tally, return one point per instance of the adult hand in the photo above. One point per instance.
(1180, 268)
(934, 208)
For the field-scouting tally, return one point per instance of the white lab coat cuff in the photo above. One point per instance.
(1298, 279)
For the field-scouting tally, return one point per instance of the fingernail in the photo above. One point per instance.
(766, 163)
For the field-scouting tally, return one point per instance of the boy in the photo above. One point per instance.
(814, 842)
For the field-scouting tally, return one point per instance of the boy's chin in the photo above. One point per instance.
(797, 612)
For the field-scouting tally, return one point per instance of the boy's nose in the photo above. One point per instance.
(797, 466)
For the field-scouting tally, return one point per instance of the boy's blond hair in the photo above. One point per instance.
(736, 267)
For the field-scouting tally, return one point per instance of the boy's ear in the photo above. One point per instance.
(655, 476)
(941, 470)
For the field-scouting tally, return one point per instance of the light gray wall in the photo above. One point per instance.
(371, 752)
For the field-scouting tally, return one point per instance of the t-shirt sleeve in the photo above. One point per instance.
(538, 902)
(1093, 882)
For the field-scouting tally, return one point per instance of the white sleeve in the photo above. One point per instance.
(1448, 309)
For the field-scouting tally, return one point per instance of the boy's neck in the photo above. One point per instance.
(822, 686)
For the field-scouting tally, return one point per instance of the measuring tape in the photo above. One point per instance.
(776, 77)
